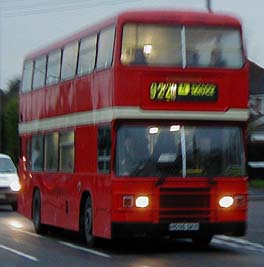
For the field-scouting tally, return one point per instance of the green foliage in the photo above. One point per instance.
(257, 183)
(10, 137)
(13, 87)
(10, 129)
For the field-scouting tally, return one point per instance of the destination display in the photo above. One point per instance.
(182, 91)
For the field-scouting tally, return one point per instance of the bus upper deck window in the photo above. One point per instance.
(151, 44)
(214, 47)
(181, 46)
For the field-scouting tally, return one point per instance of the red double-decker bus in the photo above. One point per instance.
(136, 127)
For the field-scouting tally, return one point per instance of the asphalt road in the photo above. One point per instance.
(21, 247)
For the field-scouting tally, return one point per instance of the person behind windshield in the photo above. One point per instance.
(134, 152)
(210, 155)
(167, 153)
(165, 145)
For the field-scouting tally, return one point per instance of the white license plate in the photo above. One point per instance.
(2, 196)
(184, 226)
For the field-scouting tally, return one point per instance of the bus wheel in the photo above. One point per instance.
(202, 242)
(14, 206)
(87, 223)
(36, 216)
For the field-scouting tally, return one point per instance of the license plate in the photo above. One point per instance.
(184, 226)
(2, 196)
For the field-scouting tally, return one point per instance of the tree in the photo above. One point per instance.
(10, 121)
(14, 87)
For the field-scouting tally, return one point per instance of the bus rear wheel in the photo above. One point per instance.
(14, 206)
(87, 223)
(36, 216)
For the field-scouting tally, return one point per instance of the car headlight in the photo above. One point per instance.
(226, 202)
(15, 186)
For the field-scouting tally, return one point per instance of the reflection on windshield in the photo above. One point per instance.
(179, 151)
(7, 166)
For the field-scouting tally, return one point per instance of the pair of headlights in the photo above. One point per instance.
(143, 201)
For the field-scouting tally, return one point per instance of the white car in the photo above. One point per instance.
(9, 181)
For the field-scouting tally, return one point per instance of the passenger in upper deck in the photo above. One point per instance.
(139, 58)
(192, 58)
(217, 58)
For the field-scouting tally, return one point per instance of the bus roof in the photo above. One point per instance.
(181, 17)
(150, 16)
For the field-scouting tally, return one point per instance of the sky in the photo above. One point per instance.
(27, 25)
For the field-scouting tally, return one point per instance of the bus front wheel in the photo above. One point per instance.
(36, 216)
(87, 223)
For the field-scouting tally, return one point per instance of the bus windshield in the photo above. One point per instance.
(181, 46)
(179, 151)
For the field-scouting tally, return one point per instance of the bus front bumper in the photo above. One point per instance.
(130, 230)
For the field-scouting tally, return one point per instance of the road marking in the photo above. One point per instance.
(238, 243)
(25, 232)
(64, 243)
(19, 253)
(85, 249)
(220, 242)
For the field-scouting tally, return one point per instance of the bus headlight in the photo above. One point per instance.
(226, 202)
(15, 186)
(142, 202)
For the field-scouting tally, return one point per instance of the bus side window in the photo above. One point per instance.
(27, 76)
(69, 61)
(104, 149)
(87, 55)
(28, 154)
(39, 74)
(51, 152)
(53, 67)
(105, 48)
(66, 151)
(37, 153)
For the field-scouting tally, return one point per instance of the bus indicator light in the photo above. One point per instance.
(128, 201)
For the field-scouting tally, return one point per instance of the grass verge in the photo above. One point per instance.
(257, 183)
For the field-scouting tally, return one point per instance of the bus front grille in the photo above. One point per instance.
(184, 204)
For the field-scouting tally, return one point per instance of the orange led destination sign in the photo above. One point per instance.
(183, 91)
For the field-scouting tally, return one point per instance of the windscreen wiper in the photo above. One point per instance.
(161, 180)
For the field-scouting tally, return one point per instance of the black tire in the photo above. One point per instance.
(87, 223)
(202, 242)
(36, 214)
(14, 206)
